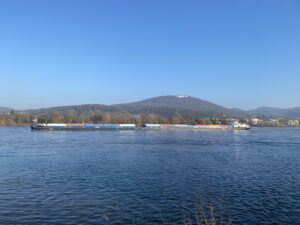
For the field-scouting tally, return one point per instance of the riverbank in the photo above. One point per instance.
(25, 119)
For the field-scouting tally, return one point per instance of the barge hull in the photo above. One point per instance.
(78, 129)
(117, 127)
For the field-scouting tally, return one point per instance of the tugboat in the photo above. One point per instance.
(37, 125)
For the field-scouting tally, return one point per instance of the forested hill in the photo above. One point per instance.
(166, 106)
(163, 106)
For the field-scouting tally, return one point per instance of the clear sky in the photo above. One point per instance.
(234, 53)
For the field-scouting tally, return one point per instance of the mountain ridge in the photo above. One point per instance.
(162, 105)
(168, 105)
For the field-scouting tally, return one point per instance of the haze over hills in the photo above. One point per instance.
(4, 110)
(167, 106)
(272, 111)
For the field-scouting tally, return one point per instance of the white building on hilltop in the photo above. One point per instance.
(182, 96)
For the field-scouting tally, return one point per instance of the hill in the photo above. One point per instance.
(163, 105)
(4, 110)
(169, 105)
(73, 109)
(275, 112)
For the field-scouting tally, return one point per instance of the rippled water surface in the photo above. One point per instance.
(139, 177)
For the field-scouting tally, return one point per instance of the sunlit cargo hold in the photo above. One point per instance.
(234, 126)
(81, 126)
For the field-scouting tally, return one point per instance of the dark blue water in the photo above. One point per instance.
(139, 177)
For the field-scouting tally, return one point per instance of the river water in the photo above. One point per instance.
(144, 177)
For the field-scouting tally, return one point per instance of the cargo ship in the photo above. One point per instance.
(90, 127)
(81, 127)
(234, 126)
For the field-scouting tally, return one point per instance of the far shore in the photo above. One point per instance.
(29, 124)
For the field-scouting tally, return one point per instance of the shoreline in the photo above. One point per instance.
(29, 125)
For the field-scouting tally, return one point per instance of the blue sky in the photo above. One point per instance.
(235, 53)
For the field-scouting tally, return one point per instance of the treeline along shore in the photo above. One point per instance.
(25, 119)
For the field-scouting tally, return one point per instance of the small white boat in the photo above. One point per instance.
(240, 126)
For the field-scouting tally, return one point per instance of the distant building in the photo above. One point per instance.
(182, 96)
(293, 122)
(257, 121)
(275, 122)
